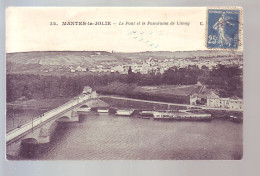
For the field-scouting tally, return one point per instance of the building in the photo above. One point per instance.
(235, 103)
(87, 90)
(215, 101)
(224, 102)
(198, 99)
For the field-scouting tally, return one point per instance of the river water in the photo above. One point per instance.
(16, 117)
(109, 137)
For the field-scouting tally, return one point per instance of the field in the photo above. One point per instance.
(167, 93)
(128, 104)
(168, 90)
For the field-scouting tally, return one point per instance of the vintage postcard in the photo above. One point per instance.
(119, 83)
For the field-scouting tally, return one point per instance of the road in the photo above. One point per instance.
(166, 103)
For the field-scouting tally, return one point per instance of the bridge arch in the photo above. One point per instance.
(63, 119)
(84, 106)
(30, 140)
(28, 147)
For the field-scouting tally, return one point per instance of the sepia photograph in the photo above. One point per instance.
(122, 83)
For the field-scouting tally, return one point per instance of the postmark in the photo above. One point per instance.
(223, 28)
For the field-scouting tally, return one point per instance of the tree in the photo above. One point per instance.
(130, 70)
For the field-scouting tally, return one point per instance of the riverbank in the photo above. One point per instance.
(104, 136)
(139, 105)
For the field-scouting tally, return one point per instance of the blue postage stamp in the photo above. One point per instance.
(223, 29)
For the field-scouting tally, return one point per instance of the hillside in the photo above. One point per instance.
(58, 62)
(183, 54)
(60, 58)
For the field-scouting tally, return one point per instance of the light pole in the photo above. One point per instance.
(13, 121)
(12, 117)
(32, 124)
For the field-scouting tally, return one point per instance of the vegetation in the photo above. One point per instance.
(227, 80)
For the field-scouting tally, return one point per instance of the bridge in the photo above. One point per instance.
(39, 130)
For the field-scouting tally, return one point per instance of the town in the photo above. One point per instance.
(159, 65)
(204, 78)
(112, 62)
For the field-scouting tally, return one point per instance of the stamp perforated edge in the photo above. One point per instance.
(240, 27)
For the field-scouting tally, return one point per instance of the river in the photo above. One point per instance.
(109, 137)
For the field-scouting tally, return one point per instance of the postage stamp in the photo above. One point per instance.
(223, 29)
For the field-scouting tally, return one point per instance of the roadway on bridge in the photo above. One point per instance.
(24, 129)
(39, 122)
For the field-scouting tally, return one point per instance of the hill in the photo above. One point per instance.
(60, 57)
(58, 62)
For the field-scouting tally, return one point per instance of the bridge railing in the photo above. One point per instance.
(45, 116)
(63, 107)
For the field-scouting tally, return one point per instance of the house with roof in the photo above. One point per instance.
(87, 90)
(200, 95)
(213, 100)
(235, 103)
(198, 99)
(209, 98)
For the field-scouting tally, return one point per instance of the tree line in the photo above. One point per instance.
(228, 80)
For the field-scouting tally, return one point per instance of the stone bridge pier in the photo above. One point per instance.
(40, 129)
(40, 133)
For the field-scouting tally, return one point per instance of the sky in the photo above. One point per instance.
(29, 29)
